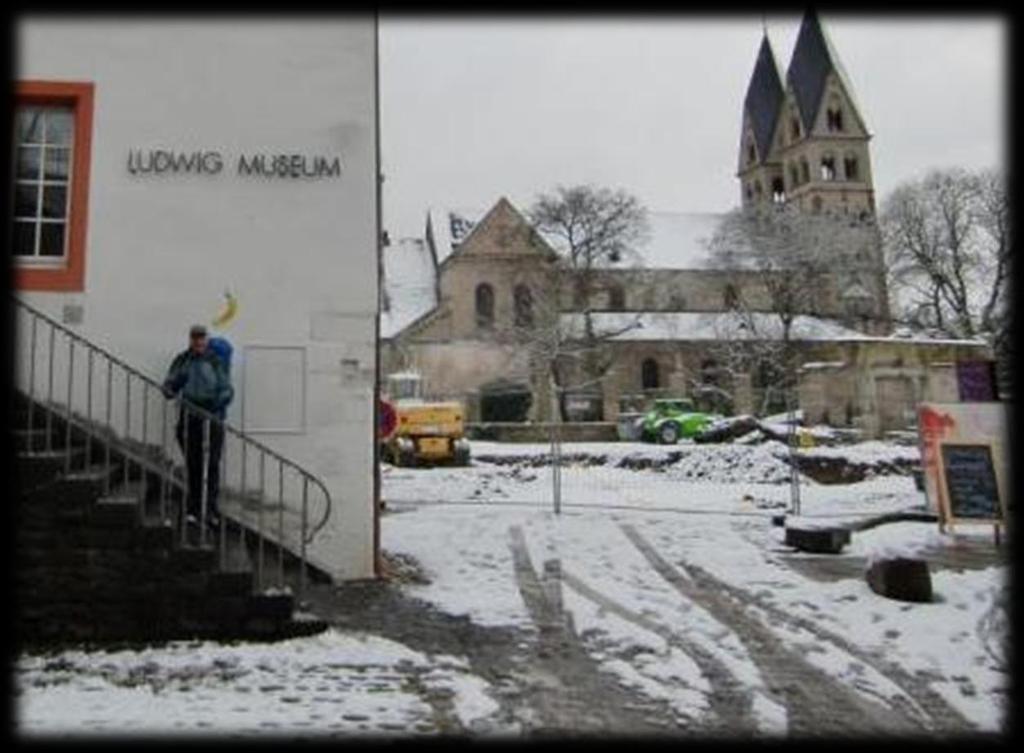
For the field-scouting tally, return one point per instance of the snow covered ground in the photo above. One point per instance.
(643, 531)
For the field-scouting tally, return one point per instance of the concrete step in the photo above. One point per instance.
(116, 512)
(34, 439)
(37, 468)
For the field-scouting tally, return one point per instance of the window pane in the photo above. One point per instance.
(24, 239)
(51, 239)
(56, 163)
(29, 127)
(26, 200)
(59, 124)
(28, 162)
(55, 200)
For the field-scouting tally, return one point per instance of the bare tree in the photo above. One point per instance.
(947, 243)
(593, 229)
(781, 264)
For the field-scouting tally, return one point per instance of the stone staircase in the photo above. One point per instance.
(99, 558)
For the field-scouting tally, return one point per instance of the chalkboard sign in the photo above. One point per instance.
(971, 481)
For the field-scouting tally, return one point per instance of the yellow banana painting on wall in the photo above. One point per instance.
(227, 312)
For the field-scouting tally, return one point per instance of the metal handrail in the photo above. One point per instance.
(162, 465)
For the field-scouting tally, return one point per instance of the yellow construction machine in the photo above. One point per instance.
(425, 433)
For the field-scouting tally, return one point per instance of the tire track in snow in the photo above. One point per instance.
(816, 703)
(730, 702)
(939, 715)
(936, 711)
(570, 693)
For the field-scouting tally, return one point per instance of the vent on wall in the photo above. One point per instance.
(274, 389)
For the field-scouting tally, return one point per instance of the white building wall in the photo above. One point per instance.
(300, 255)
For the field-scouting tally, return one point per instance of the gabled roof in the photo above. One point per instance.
(676, 239)
(814, 57)
(409, 284)
(764, 97)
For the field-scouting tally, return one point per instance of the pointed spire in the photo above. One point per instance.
(814, 57)
(764, 97)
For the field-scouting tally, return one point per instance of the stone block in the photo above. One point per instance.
(900, 578)
(818, 540)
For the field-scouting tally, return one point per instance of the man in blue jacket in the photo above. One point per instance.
(203, 379)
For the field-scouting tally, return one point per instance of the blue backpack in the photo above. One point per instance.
(223, 350)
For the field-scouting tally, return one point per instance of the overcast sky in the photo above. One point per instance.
(472, 109)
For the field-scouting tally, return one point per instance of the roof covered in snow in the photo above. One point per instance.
(689, 325)
(410, 288)
(692, 325)
(676, 239)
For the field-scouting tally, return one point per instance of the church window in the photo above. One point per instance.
(484, 305)
(751, 154)
(750, 192)
(850, 167)
(616, 298)
(778, 191)
(794, 129)
(834, 117)
(794, 176)
(649, 377)
(709, 372)
(524, 306)
(579, 294)
(729, 296)
(805, 170)
(828, 167)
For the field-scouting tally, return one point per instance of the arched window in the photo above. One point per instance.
(709, 371)
(794, 176)
(484, 305)
(729, 296)
(524, 306)
(778, 191)
(616, 298)
(828, 167)
(805, 170)
(751, 154)
(579, 293)
(750, 192)
(850, 167)
(794, 128)
(834, 117)
(649, 378)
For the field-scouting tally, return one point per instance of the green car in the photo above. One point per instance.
(670, 420)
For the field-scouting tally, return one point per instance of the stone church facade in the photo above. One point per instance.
(473, 305)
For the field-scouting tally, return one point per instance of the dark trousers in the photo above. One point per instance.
(192, 447)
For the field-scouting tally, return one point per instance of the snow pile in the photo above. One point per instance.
(731, 464)
(686, 461)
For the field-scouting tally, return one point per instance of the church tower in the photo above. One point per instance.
(760, 171)
(805, 143)
(824, 138)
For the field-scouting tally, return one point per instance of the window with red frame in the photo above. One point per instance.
(52, 144)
